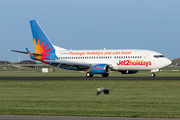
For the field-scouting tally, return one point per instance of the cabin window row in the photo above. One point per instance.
(125, 57)
(100, 57)
(103, 57)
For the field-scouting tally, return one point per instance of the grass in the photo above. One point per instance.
(151, 99)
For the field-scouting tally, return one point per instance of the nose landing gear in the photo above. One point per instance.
(153, 74)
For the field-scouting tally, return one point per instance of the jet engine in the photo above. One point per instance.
(100, 69)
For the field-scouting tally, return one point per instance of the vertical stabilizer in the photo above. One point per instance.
(41, 42)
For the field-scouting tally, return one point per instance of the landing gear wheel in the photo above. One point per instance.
(153, 75)
(88, 74)
(105, 75)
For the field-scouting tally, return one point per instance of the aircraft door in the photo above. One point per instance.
(145, 57)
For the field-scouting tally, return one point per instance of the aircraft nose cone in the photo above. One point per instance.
(168, 62)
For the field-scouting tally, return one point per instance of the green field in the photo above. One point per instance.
(149, 99)
(167, 72)
(154, 99)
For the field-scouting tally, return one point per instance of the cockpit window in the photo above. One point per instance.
(158, 56)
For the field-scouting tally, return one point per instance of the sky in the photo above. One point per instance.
(91, 24)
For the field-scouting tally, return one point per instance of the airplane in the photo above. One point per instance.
(126, 61)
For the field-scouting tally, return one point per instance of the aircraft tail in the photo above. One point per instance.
(42, 43)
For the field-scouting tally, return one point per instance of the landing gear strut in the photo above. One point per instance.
(153, 75)
(89, 74)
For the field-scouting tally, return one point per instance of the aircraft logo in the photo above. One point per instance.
(137, 62)
(41, 49)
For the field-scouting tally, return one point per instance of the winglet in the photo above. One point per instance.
(30, 54)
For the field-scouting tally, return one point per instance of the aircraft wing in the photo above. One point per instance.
(68, 64)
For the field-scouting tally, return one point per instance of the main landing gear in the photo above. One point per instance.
(105, 75)
(89, 74)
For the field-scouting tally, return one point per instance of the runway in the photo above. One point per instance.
(88, 78)
(19, 117)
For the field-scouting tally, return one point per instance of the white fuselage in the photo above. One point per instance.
(121, 59)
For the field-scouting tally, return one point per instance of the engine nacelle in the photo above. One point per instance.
(100, 69)
(128, 71)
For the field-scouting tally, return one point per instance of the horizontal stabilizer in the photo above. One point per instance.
(34, 53)
(19, 51)
(31, 55)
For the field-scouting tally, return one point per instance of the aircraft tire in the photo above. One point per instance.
(88, 74)
(105, 75)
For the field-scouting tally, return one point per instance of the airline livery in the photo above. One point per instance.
(126, 61)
